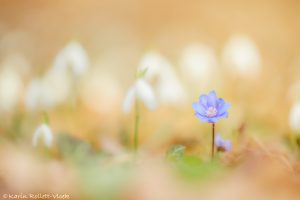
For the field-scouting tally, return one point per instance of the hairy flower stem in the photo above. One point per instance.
(213, 141)
(136, 126)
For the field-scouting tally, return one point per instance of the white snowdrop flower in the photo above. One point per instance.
(49, 91)
(153, 62)
(43, 132)
(73, 56)
(57, 87)
(294, 118)
(241, 55)
(34, 95)
(198, 63)
(38, 96)
(169, 88)
(10, 88)
(141, 90)
(168, 85)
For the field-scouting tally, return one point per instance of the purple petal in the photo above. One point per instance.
(227, 145)
(218, 140)
(220, 103)
(217, 118)
(202, 118)
(212, 99)
(223, 115)
(199, 108)
(223, 108)
(204, 100)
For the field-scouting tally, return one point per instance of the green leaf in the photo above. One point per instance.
(193, 168)
(142, 73)
(102, 182)
(176, 152)
(72, 148)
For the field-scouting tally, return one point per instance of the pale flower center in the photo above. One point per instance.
(211, 112)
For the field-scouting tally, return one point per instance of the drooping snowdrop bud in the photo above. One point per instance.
(198, 63)
(242, 56)
(74, 56)
(169, 88)
(168, 85)
(141, 90)
(34, 95)
(294, 118)
(10, 88)
(57, 87)
(153, 62)
(49, 91)
(44, 133)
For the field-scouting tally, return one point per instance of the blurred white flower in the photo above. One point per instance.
(294, 118)
(73, 56)
(153, 62)
(198, 63)
(168, 86)
(43, 132)
(57, 87)
(242, 56)
(34, 94)
(141, 90)
(10, 88)
(49, 91)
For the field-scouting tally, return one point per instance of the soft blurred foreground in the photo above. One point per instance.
(78, 79)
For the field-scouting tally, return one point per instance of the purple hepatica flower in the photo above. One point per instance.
(222, 145)
(210, 108)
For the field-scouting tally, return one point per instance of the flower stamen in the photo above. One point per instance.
(211, 112)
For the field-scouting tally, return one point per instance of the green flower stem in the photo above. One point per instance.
(213, 141)
(45, 117)
(136, 126)
(45, 150)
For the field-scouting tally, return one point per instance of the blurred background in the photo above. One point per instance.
(71, 64)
